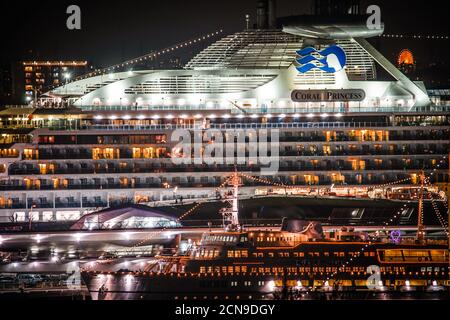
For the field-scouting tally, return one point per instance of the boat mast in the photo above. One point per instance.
(448, 199)
(420, 226)
(231, 214)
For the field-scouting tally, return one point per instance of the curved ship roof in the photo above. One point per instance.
(252, 68)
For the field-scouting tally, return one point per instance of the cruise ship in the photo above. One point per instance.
(298, 260)
(105, 140)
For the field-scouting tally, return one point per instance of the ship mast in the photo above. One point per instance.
(448, 199)
(231, 214)
(420, 226)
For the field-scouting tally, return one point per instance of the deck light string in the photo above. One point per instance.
(386, 223)
(416, 36)
(152, 55)
(441, 219)
(370, 242)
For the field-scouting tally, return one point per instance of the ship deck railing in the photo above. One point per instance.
(360, 108)
(443, 106)
(225, 126)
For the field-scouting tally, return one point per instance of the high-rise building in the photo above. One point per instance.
(37, 76)
(6, 87)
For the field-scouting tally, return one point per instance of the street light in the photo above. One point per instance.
(67, 77)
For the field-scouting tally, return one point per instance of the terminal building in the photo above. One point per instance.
(340, 129)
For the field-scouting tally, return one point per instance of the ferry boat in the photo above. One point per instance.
(298, 258)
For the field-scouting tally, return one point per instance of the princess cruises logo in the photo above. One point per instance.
(330, 60)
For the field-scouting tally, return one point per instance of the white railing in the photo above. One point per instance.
(225, 126)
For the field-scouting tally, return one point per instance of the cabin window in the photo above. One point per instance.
(237, 254)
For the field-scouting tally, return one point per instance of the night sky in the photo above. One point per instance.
(115, 31)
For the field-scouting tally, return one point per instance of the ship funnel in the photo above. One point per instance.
(266, 16)
(272, 14)
(261, 14)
